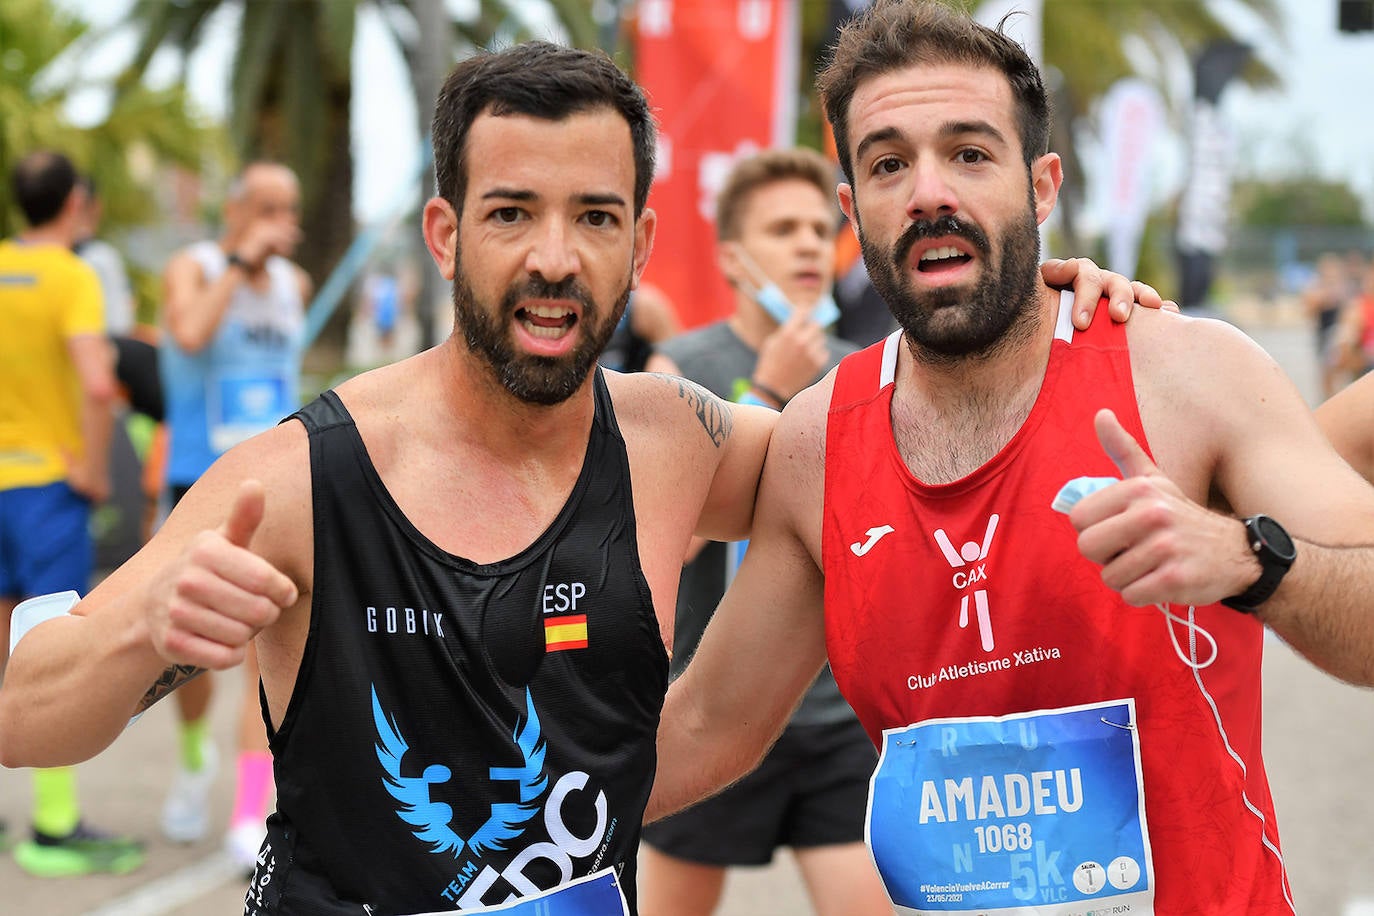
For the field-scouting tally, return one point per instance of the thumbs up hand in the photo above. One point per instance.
(1154, 544)
(218, 594)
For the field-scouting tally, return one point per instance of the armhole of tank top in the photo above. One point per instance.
(605, 408)
(280, 737)
(1063, 322)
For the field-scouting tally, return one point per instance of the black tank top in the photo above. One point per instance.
(462, 734)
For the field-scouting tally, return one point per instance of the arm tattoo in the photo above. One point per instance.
(169, 680)
(714, 414)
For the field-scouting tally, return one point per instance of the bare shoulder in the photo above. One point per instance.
(799, 439)
(1165, 342)
(280, 460)
(1207, 369)
(1206, 391)
(671, 409)
(793, 485)
(692, 449)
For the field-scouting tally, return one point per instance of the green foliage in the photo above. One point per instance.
(33, 35)
(1301, 201)
(1085, 41)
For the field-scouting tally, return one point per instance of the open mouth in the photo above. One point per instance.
(547, 322)
(936, 260)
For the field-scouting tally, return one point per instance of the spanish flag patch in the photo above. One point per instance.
(567, 632)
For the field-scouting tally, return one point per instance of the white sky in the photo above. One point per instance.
(1322, 118)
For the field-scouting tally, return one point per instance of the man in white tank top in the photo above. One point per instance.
(233, 320)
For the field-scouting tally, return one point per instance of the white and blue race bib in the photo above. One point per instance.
(597, 894)
(1035, 813)
(241, 405)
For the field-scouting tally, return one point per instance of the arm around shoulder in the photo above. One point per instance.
(764, 644)
(708, 443)
(223, 567)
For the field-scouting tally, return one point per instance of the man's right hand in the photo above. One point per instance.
(791, 357)
(265, 238)
(219, 594)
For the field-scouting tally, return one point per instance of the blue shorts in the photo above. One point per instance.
(45, 541)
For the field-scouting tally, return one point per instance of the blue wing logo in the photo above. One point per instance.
(430, 820)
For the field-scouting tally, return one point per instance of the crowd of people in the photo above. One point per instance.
(983, 581)
(224, 366)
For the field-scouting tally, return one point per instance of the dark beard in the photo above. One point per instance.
(954, 324)
(543, 380)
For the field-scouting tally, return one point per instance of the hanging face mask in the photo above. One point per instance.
(1067, 497)
(775, 302)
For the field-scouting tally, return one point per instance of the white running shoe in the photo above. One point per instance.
(243, 841)
(186, 812)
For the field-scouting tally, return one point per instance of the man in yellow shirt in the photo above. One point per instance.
(57, 387)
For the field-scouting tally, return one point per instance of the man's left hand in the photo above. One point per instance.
(1090, 283)
(1154, 544)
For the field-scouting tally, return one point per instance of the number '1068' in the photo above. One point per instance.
(993, 838)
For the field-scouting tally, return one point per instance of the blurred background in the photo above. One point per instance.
(1221, 150)
(1235, 132)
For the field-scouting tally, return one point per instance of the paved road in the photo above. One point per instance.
(1319, 741)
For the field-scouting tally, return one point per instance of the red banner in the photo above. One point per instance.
(722, 78)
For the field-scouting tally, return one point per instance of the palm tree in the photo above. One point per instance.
(33, 96)
(291, 89)
(289, 98)
(1087, 48)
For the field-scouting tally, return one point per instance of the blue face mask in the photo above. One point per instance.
(775, 302)
(825, 312)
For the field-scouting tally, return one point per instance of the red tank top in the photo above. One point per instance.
(971, 599)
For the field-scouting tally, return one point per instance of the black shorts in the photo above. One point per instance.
(810, 790)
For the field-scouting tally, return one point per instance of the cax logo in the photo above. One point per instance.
(969, 568)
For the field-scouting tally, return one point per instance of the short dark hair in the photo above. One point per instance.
(42, 182)
(763, 169)
(893, 34)
(540, 80)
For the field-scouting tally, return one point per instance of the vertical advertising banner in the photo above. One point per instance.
(1205, 204)
(1132, 116)
(721, 76)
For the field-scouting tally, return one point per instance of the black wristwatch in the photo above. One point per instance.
(1275, 551)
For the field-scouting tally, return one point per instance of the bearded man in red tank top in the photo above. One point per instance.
(1040, 560)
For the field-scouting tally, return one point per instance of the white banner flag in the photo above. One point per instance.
(1132, 116)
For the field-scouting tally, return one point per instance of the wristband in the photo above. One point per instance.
(769, 393)
(29, 614)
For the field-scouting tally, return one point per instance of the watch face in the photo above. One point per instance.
(1274, 537)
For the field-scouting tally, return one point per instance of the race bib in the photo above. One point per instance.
(1035, 813)
(241, 406)
(597, 894)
